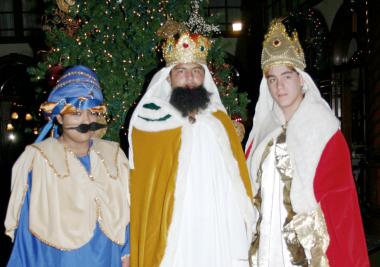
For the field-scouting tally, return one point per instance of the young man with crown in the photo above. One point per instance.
(69, 204)
(190, 189)
(300, 168)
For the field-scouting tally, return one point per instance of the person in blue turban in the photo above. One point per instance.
(69, 204)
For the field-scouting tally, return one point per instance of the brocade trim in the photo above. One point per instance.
(60, 85)
(68, 174)
(105, 165)
(100, 221)
(81, 73)
(51, 165)
(305, 234)
(257, 200)
(284, 168)
(68, 150)
(91, 177)
(50, 243)
(311, 231)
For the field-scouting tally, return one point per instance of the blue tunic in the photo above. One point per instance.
(31, 252)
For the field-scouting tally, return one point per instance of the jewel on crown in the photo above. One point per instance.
(188, 48)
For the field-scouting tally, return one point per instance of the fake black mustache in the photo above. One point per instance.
(84, 128)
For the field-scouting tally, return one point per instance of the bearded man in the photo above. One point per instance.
(190, 190)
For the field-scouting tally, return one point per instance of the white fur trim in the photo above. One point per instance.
(308, 132)
(160, 89)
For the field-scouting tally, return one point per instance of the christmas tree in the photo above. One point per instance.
(118, 39)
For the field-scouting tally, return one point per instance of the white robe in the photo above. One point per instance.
(273, 251)
(208, 227)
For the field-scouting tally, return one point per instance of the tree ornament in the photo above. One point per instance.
(197, 23)
(239, 126)
(64, 5)
(62, 21)
(54, 73)
(118, 40)
(72, 26)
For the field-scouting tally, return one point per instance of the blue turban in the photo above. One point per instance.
(78, 81)
(79, 88)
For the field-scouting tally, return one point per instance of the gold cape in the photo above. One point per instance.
(153, 185)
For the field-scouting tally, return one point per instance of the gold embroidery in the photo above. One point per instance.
(105, 165)
(90, 176)
(284, 168)
(68, 174)
(68, 150)
(312, 234)
(50, 164)
(49, 243)
(305, 235)
(100, 220)
(252, 254)
(81, 73)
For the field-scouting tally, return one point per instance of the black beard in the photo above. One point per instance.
(190, 100)
(84, 128)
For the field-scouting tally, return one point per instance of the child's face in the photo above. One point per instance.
(74, 119)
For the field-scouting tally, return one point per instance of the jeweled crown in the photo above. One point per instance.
(188, 48)
(279, 48)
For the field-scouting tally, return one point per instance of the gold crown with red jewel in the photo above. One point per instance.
(281, 49)
(188, 48)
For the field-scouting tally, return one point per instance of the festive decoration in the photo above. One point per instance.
(117, 39)
(315, 40)
(239, 126)
(62, 21)
(28, 117)
(14, 115)
(197, 23)
(64, 5)
(234, 101)
(53, 75)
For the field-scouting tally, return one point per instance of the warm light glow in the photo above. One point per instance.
(12, 137)
(10, 127)
(14, 115)
(35, 131)
(237, 26)
(28, 117)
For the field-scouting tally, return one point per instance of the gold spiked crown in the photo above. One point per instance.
(189, 48)
(281, 49)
